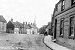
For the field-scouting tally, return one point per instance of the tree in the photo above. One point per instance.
(42, 30)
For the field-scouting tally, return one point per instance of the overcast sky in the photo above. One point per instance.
(27, 10)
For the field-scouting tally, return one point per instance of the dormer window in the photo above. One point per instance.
(72, 2)
(63, 5)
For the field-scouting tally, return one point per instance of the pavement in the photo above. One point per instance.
(54, 46)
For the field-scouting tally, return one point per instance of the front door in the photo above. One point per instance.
(55, 29)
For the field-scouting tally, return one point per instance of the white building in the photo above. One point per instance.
(2, 24)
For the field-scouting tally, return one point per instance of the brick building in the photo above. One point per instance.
(63, 23)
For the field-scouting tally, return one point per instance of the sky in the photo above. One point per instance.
(28, 10)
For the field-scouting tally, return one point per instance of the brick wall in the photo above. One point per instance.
(65, 41)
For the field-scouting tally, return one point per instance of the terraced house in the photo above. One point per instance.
(63, 23)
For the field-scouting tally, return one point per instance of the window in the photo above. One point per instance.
(72, 27)
(63, 5)
(72, 2)
(62, 27)
(55, 28)
(56, 7)
(3, 28)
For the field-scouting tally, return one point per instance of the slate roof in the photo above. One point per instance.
(2, 19)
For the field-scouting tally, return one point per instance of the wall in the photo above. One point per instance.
(16, 30)
(67, 4)
(5, 27)
(28, 31)
(1, 25)
(65, 41)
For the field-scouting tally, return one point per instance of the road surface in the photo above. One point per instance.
(22, 41)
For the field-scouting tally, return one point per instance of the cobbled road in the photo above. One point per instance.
(22, 42)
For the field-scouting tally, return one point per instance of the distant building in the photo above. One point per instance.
(24, 28)
(30, 28)
(48, 29)
(18, 27)
(10, 27)
(63, 23)
(34, 29)
(2, 24)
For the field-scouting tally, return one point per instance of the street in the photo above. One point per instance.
(22, 42)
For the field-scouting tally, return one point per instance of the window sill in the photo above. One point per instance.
(61, 36)
(71, 37)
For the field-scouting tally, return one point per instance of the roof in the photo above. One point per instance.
(18, 24)
(49, 25)
(27, 26)
(34, 26)
(2, 19)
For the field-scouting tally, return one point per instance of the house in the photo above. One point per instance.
(63, 23)
(48, 28)
(18, 27)
(14, 27)
(26, 28)
(34, 29)
(30, 28)
(2, 24)
(10, 27)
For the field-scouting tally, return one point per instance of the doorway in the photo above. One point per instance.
(55, 29)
